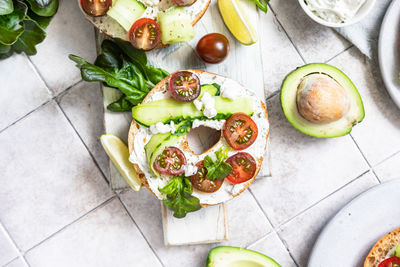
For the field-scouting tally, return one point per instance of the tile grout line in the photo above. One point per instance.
(84, 144)
(38, 107)
(273, 229)
(104, 203)
(365, 158)
(104, 177)
(39, 75)
(140, 230)
(287, 35)
(338, 54)
(319, 201)
(14, 244)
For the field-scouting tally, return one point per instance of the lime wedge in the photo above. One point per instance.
(119, 155)
(234, 14)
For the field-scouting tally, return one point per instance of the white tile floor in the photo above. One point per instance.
(56, 207)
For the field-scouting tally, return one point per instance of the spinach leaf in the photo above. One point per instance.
(32, 35)
(6, 7)
(121, 105)
(45, 8)
(218, 169)
(262, 4)
(121, 66)
(11, 25)
(179, 197)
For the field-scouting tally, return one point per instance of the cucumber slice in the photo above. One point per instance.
(176, 26)
(397, 251)
(168, 109)
(126, 12)
(212, 89)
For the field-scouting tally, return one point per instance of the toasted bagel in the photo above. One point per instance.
(162, 87)
(380, 250)
(112, 29)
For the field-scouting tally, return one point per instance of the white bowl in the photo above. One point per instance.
(362, 12)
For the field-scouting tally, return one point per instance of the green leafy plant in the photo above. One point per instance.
(262, 4)
(123, 67)
(179, 197)
(23, 24)
(218, 169)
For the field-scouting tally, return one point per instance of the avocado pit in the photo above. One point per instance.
(321, 99)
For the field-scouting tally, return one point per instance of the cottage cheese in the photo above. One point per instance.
(209, 105)
(337, 11)
(217, 125)
(159, 127)
(190, 170)
(231, 89)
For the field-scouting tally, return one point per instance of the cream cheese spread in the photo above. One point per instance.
(336, 11)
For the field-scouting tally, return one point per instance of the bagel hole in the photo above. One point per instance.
(202, 138)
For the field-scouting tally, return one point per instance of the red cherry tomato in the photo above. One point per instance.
(145, 34)
(243, 168)
(170, 161)
(391, 262)
(213, 48)
(96, 8)
(240, 131)
(202, 183)
(184, 86)
(184, 2)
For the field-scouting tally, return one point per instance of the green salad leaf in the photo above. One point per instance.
(262, 4)
(6, 7)
(123, 67)
(23, 24)
(218, 169)
(179, 197)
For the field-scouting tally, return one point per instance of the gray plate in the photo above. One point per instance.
(352, 232)
(389, 51)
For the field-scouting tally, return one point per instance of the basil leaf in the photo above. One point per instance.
(32, 36)
(179, 197)
(121, 105)
(155, 75)
(218, 169)
(6, 7)
(45, 8)
(137, 56)
(262, 4)
(11, 25)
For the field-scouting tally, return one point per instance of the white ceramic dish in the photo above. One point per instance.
(364, 10)
(389, 51)
(352, 232)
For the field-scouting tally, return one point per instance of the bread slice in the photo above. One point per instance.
(112, 29)
(382, 248)
(134, 129)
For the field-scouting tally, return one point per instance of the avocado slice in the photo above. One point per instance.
(225, 256)
(351, 115)
(397, 251)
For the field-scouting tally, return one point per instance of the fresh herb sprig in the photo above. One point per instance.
(262, 4)
(179, 197)
(123, 67)
(218, 169)
(23, 24)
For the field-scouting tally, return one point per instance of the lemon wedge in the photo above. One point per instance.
(119, 155)
(234, 14)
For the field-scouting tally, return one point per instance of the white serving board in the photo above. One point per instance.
(242, 65)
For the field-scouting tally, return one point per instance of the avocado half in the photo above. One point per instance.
(289, 100)
(225, 256)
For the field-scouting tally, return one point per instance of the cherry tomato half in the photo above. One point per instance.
(170, 161)
(202, 183)
(213, 48)
(184, 86)
(240, 131)
(145, 34)
(390, 262)
(96, 8)
(243, 168)
(184, 2)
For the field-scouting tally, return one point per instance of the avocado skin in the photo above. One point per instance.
(245, 254)
(289, 104)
